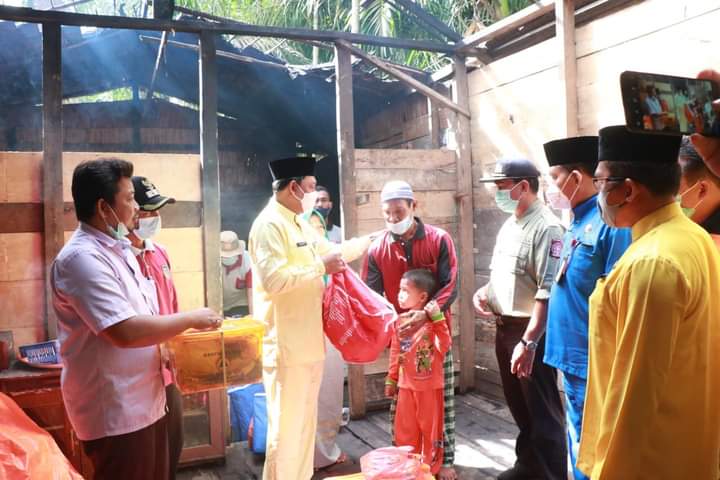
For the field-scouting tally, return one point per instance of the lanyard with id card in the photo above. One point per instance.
(566, 261)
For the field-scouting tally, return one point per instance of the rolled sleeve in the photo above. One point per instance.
(547, 259)
(91, 285)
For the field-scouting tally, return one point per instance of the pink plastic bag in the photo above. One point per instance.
(356, 319)
(394, 463)
(27, 451)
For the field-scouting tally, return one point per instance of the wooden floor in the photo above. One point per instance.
(484, 444)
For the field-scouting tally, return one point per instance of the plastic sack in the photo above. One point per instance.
(257, 432)
(26, 450)
(241, 409)
(394, 463)
(356, 319)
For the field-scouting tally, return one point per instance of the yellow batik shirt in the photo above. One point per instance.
(287, 268)
(652, 409)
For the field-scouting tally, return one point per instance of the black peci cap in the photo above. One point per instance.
(618, 144)
(572, 150)
(147, 195)
(292, 167)
(512, 169)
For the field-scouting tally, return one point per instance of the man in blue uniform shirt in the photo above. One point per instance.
(590, 249)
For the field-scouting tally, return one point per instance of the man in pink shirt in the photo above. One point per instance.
(109, 329)
(155, 266)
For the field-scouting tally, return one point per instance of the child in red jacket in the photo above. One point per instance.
(416, 372)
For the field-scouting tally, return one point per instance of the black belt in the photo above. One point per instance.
(501, 320)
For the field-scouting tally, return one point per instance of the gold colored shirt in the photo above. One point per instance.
(524, 261)
(288, 286)
(652, 407)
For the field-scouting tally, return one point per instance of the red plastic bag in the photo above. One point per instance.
(26, 450)
(356, 319)
(394, 463)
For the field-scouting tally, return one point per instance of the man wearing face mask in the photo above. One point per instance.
(289, 259)
(155, 266)
(324, 205)
(408, 244)
(700, 191)
(654, 373)
(109, 327)
(590, 249)
(523, 266)
(237, 275)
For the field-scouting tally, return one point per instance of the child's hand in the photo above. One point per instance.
(390, 390)
(432, 308)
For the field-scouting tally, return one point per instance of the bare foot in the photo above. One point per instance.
(447, 473)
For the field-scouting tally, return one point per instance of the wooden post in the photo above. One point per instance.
(348, 192)
(565, 32)
(52, 160)
(433, 124)
(210, 171)
(465, 228)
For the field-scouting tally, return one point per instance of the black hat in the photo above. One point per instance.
(147, 195)
(512, 169)
(618, 144)
(572, 150)
(292, 167)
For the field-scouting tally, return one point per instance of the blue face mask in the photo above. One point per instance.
(505, 202)
(323, 211)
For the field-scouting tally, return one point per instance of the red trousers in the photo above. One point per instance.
(419, 424)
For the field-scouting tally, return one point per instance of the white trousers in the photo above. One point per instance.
(329, 408)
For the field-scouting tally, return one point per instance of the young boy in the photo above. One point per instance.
(416, 372)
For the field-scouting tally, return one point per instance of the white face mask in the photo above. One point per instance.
(400, 227)
(148, 227)
(308, 200)
(229, 261)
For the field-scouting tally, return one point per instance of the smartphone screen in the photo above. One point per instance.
(670, 105)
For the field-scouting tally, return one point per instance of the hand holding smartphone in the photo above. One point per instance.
(670, 105)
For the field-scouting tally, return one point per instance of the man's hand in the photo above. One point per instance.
(522, 361)
(480, 302)
(333, 263)
(709, 147)
(204, 319)
(410, 322)
(390, 390)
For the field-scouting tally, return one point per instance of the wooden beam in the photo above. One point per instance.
(345, 118)
(20, 14)
(405, 78)
(210, 171)
(507, 24)
(565, 32)
(466, 228)
(52, 170)
(428, 19)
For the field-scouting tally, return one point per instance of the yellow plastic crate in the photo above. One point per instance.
(227, 357)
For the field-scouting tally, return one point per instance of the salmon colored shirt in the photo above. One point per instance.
(651, 409)
(417, 363)
(287, 270)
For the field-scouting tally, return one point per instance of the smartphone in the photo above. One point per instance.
(670, 105)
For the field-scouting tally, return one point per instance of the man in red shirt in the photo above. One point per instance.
(155, 265)
(408, 244)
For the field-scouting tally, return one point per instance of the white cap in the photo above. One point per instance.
(230, 244)
(396, 190)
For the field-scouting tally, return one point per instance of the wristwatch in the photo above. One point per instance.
(529, 345)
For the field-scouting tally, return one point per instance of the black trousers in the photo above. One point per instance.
(140, 455)
(174, 427)
(535, 405)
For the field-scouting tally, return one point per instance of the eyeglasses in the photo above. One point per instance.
(600, 182)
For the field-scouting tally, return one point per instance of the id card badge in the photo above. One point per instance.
(566, 262)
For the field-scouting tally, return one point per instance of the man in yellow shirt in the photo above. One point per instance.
(289, 260)
(651, 409)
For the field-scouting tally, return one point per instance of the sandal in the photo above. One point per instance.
(341, 460)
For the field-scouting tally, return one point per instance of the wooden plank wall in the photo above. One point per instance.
(431, 173)
(517, 103)
(21, 231)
